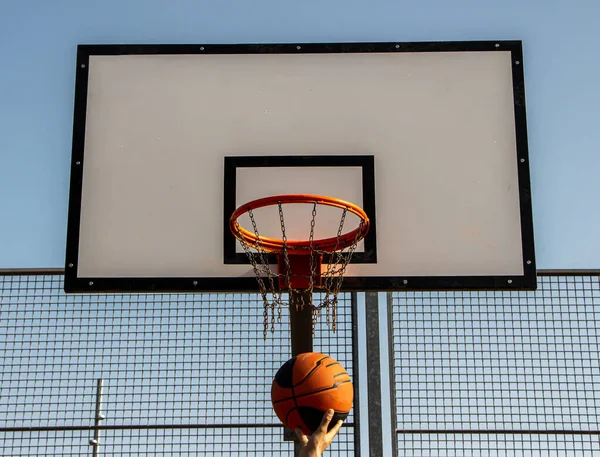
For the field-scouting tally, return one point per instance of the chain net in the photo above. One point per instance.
(332, 275)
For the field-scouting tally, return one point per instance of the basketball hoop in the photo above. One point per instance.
(299, 262)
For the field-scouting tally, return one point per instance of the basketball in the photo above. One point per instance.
(306, 386)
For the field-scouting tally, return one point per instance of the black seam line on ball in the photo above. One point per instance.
(341, 374)
(287, 416)
(334, 386)
(311, 372)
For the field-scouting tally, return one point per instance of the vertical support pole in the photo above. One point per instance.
(355, 370)
(301, 322)
(95, 442)
(374, 375)
(301, 326)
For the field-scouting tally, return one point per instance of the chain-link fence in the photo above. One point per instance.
(473, 373)
(182, 374)
(498, 373)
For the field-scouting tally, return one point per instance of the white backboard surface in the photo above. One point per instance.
(440, 126)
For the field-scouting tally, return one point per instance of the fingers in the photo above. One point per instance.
(335, 429)
(301, 436)
(326, 419)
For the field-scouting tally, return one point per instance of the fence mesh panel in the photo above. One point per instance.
(183, 374)
(474, 373)
(479, 373)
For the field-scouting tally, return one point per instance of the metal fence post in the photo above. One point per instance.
(374, 374)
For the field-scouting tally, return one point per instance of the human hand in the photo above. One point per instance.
(320, 439)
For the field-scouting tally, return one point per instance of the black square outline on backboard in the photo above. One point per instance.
(365, 162)
(75, 283)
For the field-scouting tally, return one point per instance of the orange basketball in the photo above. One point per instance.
(306, 386)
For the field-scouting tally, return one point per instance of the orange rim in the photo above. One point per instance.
(302, 246)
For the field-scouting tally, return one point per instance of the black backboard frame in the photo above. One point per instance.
(74, 283)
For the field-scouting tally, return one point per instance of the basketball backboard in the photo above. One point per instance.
(428, 138)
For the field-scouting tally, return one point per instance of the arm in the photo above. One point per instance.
(321, 439)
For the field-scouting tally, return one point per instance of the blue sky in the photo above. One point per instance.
(38, 41)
